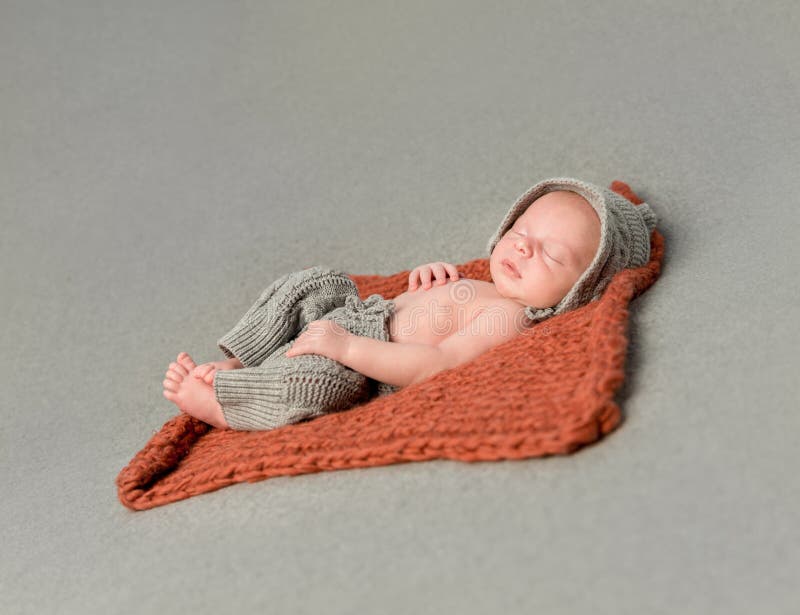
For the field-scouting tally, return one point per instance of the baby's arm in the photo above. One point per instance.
(404, 364)
(390, 362)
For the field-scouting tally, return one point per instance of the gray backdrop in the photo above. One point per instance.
(162, 162)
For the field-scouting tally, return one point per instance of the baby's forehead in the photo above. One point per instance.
(560, 204)
(573, 223)
(562, 198)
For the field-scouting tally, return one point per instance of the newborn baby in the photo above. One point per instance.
(557, 249)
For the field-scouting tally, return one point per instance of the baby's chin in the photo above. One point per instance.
(509, 292)
(530, 301)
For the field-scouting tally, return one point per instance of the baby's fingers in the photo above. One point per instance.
(441, 272)
(296, 348)
(413, 279)
(453, 271)
(421, 276)
(425, 275)
(435, 272)
(208, 378)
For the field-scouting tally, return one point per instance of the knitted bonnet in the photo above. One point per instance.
(624, 239)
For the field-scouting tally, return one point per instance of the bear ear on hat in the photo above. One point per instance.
(648, 215)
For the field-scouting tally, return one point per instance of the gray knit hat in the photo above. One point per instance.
(625, 231)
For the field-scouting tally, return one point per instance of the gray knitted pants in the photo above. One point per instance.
(271, 389)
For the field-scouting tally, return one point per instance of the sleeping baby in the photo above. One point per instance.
(310, 346)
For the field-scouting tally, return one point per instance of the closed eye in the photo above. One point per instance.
(548, 255)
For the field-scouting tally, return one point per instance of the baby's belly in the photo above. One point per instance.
(431, 316)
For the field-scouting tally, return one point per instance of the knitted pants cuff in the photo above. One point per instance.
(280, 392)
(253, 400)
(282, 310)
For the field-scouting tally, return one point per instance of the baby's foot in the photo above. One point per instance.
(206, 371)
(192, 395)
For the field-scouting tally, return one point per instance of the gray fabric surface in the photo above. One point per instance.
(160, 163)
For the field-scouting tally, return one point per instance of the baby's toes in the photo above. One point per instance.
(201, 371)
(170, 386)
(176, 372)
(185, 360)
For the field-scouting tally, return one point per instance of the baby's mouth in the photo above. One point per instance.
(509, 268)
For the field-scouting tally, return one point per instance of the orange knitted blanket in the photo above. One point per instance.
(548, 391)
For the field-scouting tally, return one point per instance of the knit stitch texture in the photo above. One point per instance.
(274, 390)
(546, 392)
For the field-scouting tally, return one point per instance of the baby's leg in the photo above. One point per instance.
(282, 310)
(284, 390)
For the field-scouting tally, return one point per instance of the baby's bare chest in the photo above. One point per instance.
(431, 316)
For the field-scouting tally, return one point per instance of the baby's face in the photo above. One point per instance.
(551, 245)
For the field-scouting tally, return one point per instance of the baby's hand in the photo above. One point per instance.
(323, 337)
(422, 274)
